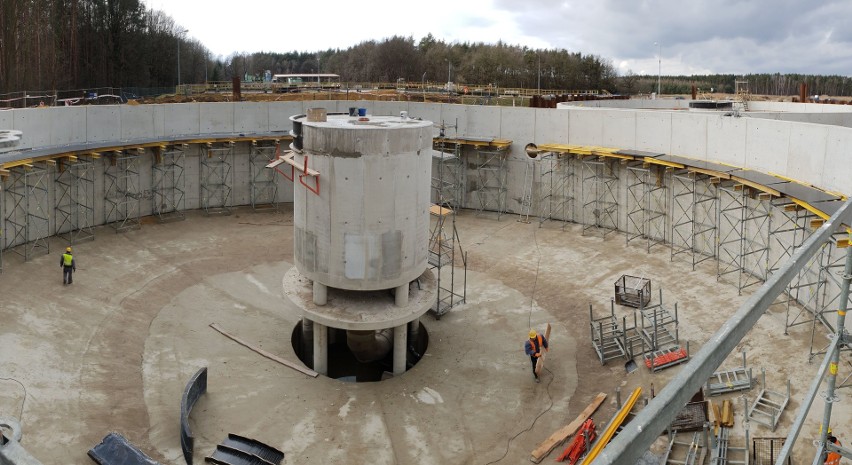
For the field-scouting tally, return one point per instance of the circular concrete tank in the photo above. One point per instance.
(367, 227)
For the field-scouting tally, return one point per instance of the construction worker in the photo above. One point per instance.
(68, 266)
(832, 458)
(533, 348)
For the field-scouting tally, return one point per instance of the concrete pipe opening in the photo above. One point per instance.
(360, 356)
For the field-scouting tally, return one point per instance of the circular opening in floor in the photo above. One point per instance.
(344, 365)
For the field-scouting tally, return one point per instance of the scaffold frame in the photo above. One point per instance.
(444, 244)
(216, 173)
(29, 214)
(743, 245)
(556, 188)
(168, 186)
(74, 195)
(647, 205)
(122, 192)
(788, 231)
(831, 276)
(693, 198)
(599, 186)
(448, 175)
(492, 176)
(263, 188)
(2, 219)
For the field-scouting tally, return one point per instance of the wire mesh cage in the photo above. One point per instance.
(632, 291)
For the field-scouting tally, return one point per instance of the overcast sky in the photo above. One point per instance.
(694, 36)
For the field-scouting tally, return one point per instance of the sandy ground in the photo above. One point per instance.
(113, 351)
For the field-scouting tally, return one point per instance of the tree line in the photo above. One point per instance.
(77, 44)
(760, 83)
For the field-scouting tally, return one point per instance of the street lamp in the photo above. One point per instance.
(659, 64)
(180, 33)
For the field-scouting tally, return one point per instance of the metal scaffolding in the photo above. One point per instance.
(75, 199)
(2, 219)
(216, 177)
(599, 187)
(693, 225)
(168, 184)
(448, 175)
(788, 231)
(830, 291)
(556, 188)
(647, 205)
(491, 178)
(28, 220)
(263, 189)
(122, 191)
(743, 222)
(444, 244)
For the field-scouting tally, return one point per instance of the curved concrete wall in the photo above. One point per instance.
(812, 153)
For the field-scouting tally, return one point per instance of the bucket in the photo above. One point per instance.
(353, 111)
(362, 112)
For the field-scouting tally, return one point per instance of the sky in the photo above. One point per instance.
(643, 36)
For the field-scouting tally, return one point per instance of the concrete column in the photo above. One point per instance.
(320, 293)
(400, 343)
(307, 339)
(414, 330)
(401, 295)
(320, 348)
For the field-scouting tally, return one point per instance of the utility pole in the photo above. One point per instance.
(179, 36)
(659, 65)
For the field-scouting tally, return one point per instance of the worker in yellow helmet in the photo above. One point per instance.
(66, 261)
(533, 348)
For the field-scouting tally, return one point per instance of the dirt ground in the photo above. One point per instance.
(113, 351)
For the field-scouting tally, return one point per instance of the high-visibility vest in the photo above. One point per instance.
(833, 458)
(67, 259)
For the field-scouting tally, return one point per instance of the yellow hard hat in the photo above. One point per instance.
(532, 334)
(68, 249)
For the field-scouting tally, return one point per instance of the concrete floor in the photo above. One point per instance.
(113, 351)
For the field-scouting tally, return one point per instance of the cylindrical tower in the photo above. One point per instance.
(367, 228)
(361, 223)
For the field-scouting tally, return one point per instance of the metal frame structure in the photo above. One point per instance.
(28, 217)
(643, 430)
(122, 191)
(694, 199)
(75, 198)
(491, 179)
(216, 172)
(787, 232)
(769, 405)
(725, 381)
(168, 185)
(647, 204)
(556, 188)
(448, 175)
(830, 290)
(599, 186)
(263, 188)
(443, 242)
(743, 247)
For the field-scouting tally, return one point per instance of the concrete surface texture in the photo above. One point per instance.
(113, 351)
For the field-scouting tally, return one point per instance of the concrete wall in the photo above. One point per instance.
(813, 153)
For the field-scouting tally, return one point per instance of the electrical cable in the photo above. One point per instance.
(21, 416)
(509, 441)
(529, 325)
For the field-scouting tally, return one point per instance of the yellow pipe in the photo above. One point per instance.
(610, 430)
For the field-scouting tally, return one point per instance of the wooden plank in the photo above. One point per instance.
(562, 434)
(266, 354)
(539, 364)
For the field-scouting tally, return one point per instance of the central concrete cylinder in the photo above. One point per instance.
(365, 226)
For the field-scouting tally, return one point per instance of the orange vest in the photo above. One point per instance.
(833, 458)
